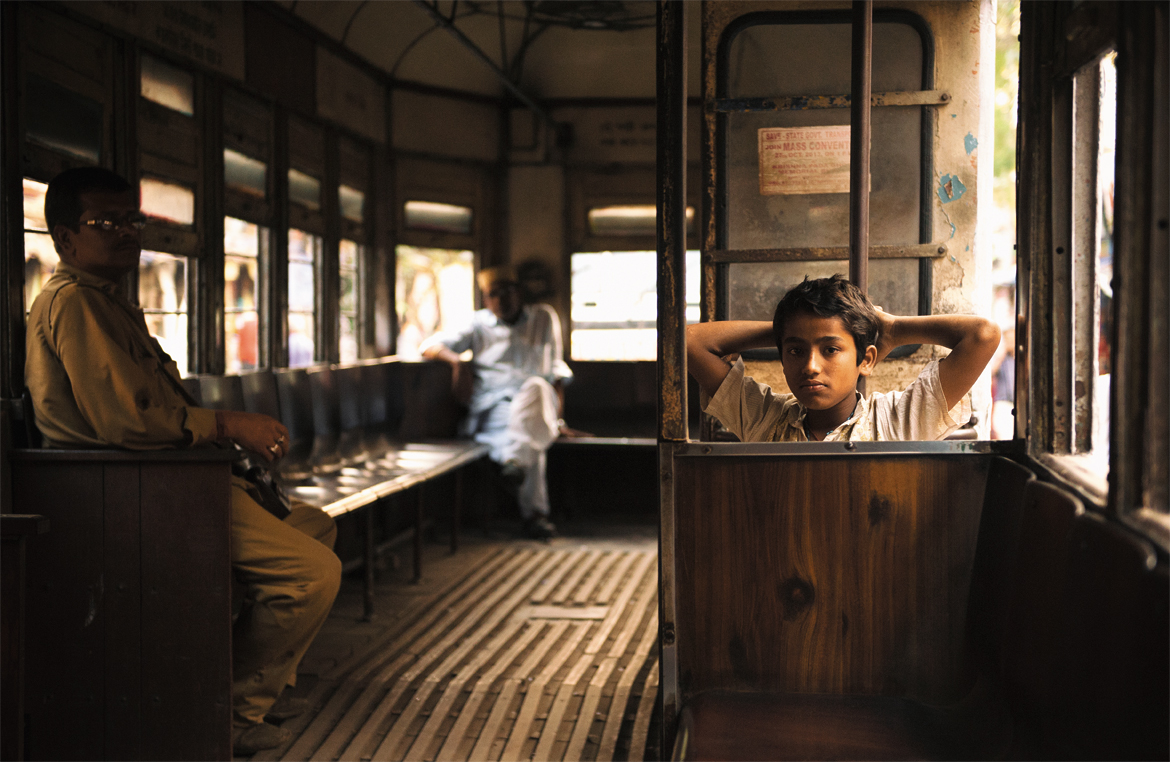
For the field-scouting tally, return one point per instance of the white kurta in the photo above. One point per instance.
(513, 406)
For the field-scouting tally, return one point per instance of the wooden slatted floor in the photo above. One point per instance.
(508, 651)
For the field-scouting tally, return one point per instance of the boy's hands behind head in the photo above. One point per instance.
(887, 335)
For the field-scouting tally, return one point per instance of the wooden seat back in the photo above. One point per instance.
(385, 406)
(323, 397)
(351, 445)
(1033, 616)
(129, 606)
(191, 384)
(824, 574)
(430, 409)
(260, 395)
(296, 413)
(996, 555)
(1110, 680)
(221, 392)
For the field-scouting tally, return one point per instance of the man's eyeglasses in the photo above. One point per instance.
(136, 220)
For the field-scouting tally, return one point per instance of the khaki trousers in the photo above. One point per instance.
(292, 576)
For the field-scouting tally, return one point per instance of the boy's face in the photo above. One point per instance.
(820, 362)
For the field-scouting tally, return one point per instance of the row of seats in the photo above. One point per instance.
(1066, 632)
(358, 433)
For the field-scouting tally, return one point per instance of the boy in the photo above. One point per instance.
(829, 334)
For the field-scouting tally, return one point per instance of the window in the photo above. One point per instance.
(245, 264)
(352, 202)
(168, 85)
(1095, 113)
(40, 257)
(615, 304)
(435, 292)
(62, 120)
(304, 189)
(349, 299)
(630, 220)
(168, 201)
(162, 295)
(245, 174)
(439, 218)
(304, 257)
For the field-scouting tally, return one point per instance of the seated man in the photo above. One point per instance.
(514, 385)
(829, 334)
(99, 379)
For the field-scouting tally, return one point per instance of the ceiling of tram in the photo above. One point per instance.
(549, 48)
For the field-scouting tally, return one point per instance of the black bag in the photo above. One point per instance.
(262, 487)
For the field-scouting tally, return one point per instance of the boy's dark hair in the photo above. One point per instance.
(63, 198)
(830, 297)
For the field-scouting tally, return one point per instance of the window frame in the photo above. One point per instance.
(1057, 43)
(716, 303)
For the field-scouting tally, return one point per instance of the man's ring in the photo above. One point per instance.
(273, 449)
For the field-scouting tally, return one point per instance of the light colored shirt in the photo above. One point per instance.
(504, 356)
(96, 375)
(754, 413)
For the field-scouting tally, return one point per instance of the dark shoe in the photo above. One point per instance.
(513, 474)
(259, 737)
(285, 708)
(539, 528)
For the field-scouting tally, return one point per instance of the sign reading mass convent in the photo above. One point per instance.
(801, 160)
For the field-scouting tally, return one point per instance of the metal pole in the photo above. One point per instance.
(672, 230)
(859, 144)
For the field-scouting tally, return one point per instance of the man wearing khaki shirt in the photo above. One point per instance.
(98, 379)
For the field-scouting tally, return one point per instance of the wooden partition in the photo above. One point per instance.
(821, 571)
(128, 613)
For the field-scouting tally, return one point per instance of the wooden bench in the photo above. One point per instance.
(16, 530)
(359, 435)
(128, 612)
(839, 610)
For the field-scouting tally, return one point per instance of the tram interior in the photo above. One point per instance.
(323, 181)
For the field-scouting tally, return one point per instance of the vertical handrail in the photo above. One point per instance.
(671, 220)
(859, 130)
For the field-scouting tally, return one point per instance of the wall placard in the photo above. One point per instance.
(803, 160)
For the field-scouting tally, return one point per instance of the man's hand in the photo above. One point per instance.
(569, 433)
(259, 433)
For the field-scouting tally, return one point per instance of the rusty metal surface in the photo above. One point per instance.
(860, 130)
(1085, 302)
(672, 233)
(1158, 413)
(1033, 225)
(667, 605)
(811, 102)
(1133, 222)
(821, 253)
(1063, 178)
(711, 29)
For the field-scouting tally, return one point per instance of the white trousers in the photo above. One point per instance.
(521, 429)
